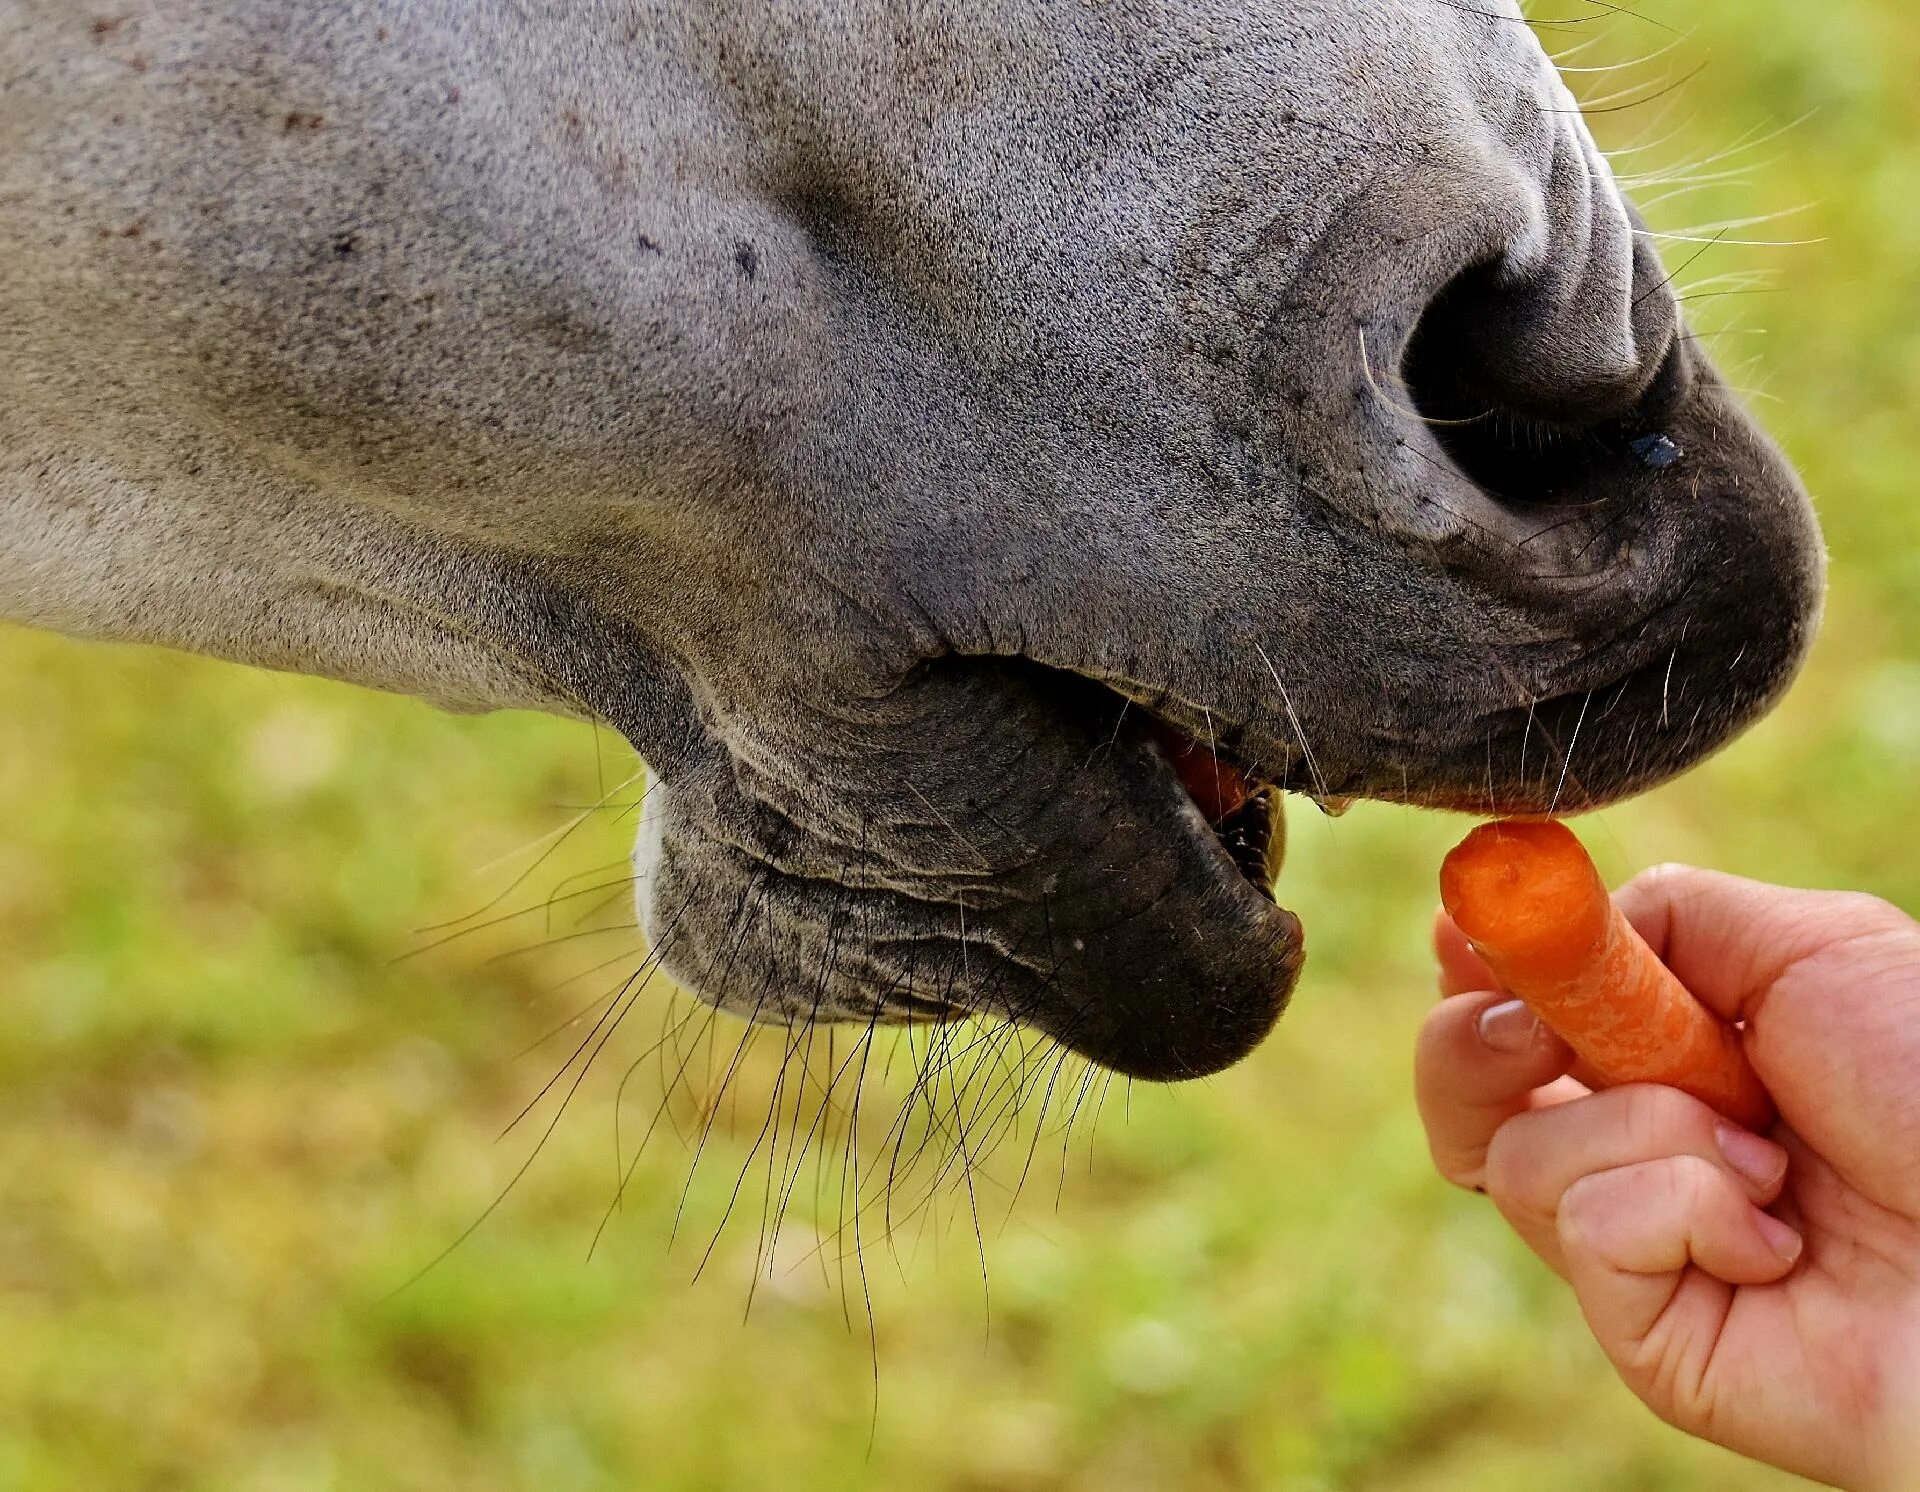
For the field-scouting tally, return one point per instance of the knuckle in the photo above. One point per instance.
(1871, 914)
(1691, 1181)
(1666, 873)
(1826, 922)
(1672, 882)
(1589, 1201)
(1658, 1120)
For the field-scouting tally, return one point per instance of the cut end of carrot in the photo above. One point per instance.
(1524, 886)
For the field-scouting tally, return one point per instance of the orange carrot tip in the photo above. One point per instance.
(1533, 905)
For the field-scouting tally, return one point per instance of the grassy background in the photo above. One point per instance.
(232, 1126)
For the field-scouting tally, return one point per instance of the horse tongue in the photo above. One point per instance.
(1217, 787)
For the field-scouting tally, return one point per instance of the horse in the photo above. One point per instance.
(982, 454)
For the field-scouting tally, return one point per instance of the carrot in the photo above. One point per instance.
(1534, 907)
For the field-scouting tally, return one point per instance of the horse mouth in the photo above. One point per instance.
(1255, 838)
(1246, 815)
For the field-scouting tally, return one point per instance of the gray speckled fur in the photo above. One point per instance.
(762, 376)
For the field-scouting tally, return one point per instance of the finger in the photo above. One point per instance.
(1462, 971)
(1730, 940)
(1537, 1157)
(1629, 1237)
(1478, 1064)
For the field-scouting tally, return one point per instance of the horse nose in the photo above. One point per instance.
(1568, 323)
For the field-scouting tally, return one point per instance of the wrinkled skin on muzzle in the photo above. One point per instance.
(896, 428)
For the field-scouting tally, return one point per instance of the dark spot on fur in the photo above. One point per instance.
(138, 62)
(345, 243)
(105, 26)
(647, 245)
(748, 258)
(302, 121)
(453, 95)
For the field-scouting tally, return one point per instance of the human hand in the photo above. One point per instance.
(1760, 1292)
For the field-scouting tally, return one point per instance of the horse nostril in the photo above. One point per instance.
(1524, 416)
(1568, 322)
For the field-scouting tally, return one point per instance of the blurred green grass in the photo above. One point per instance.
(233, 1126)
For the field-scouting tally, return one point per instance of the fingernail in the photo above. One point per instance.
(1509, 1029)
(1781, 1238)
(1761, 1161)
